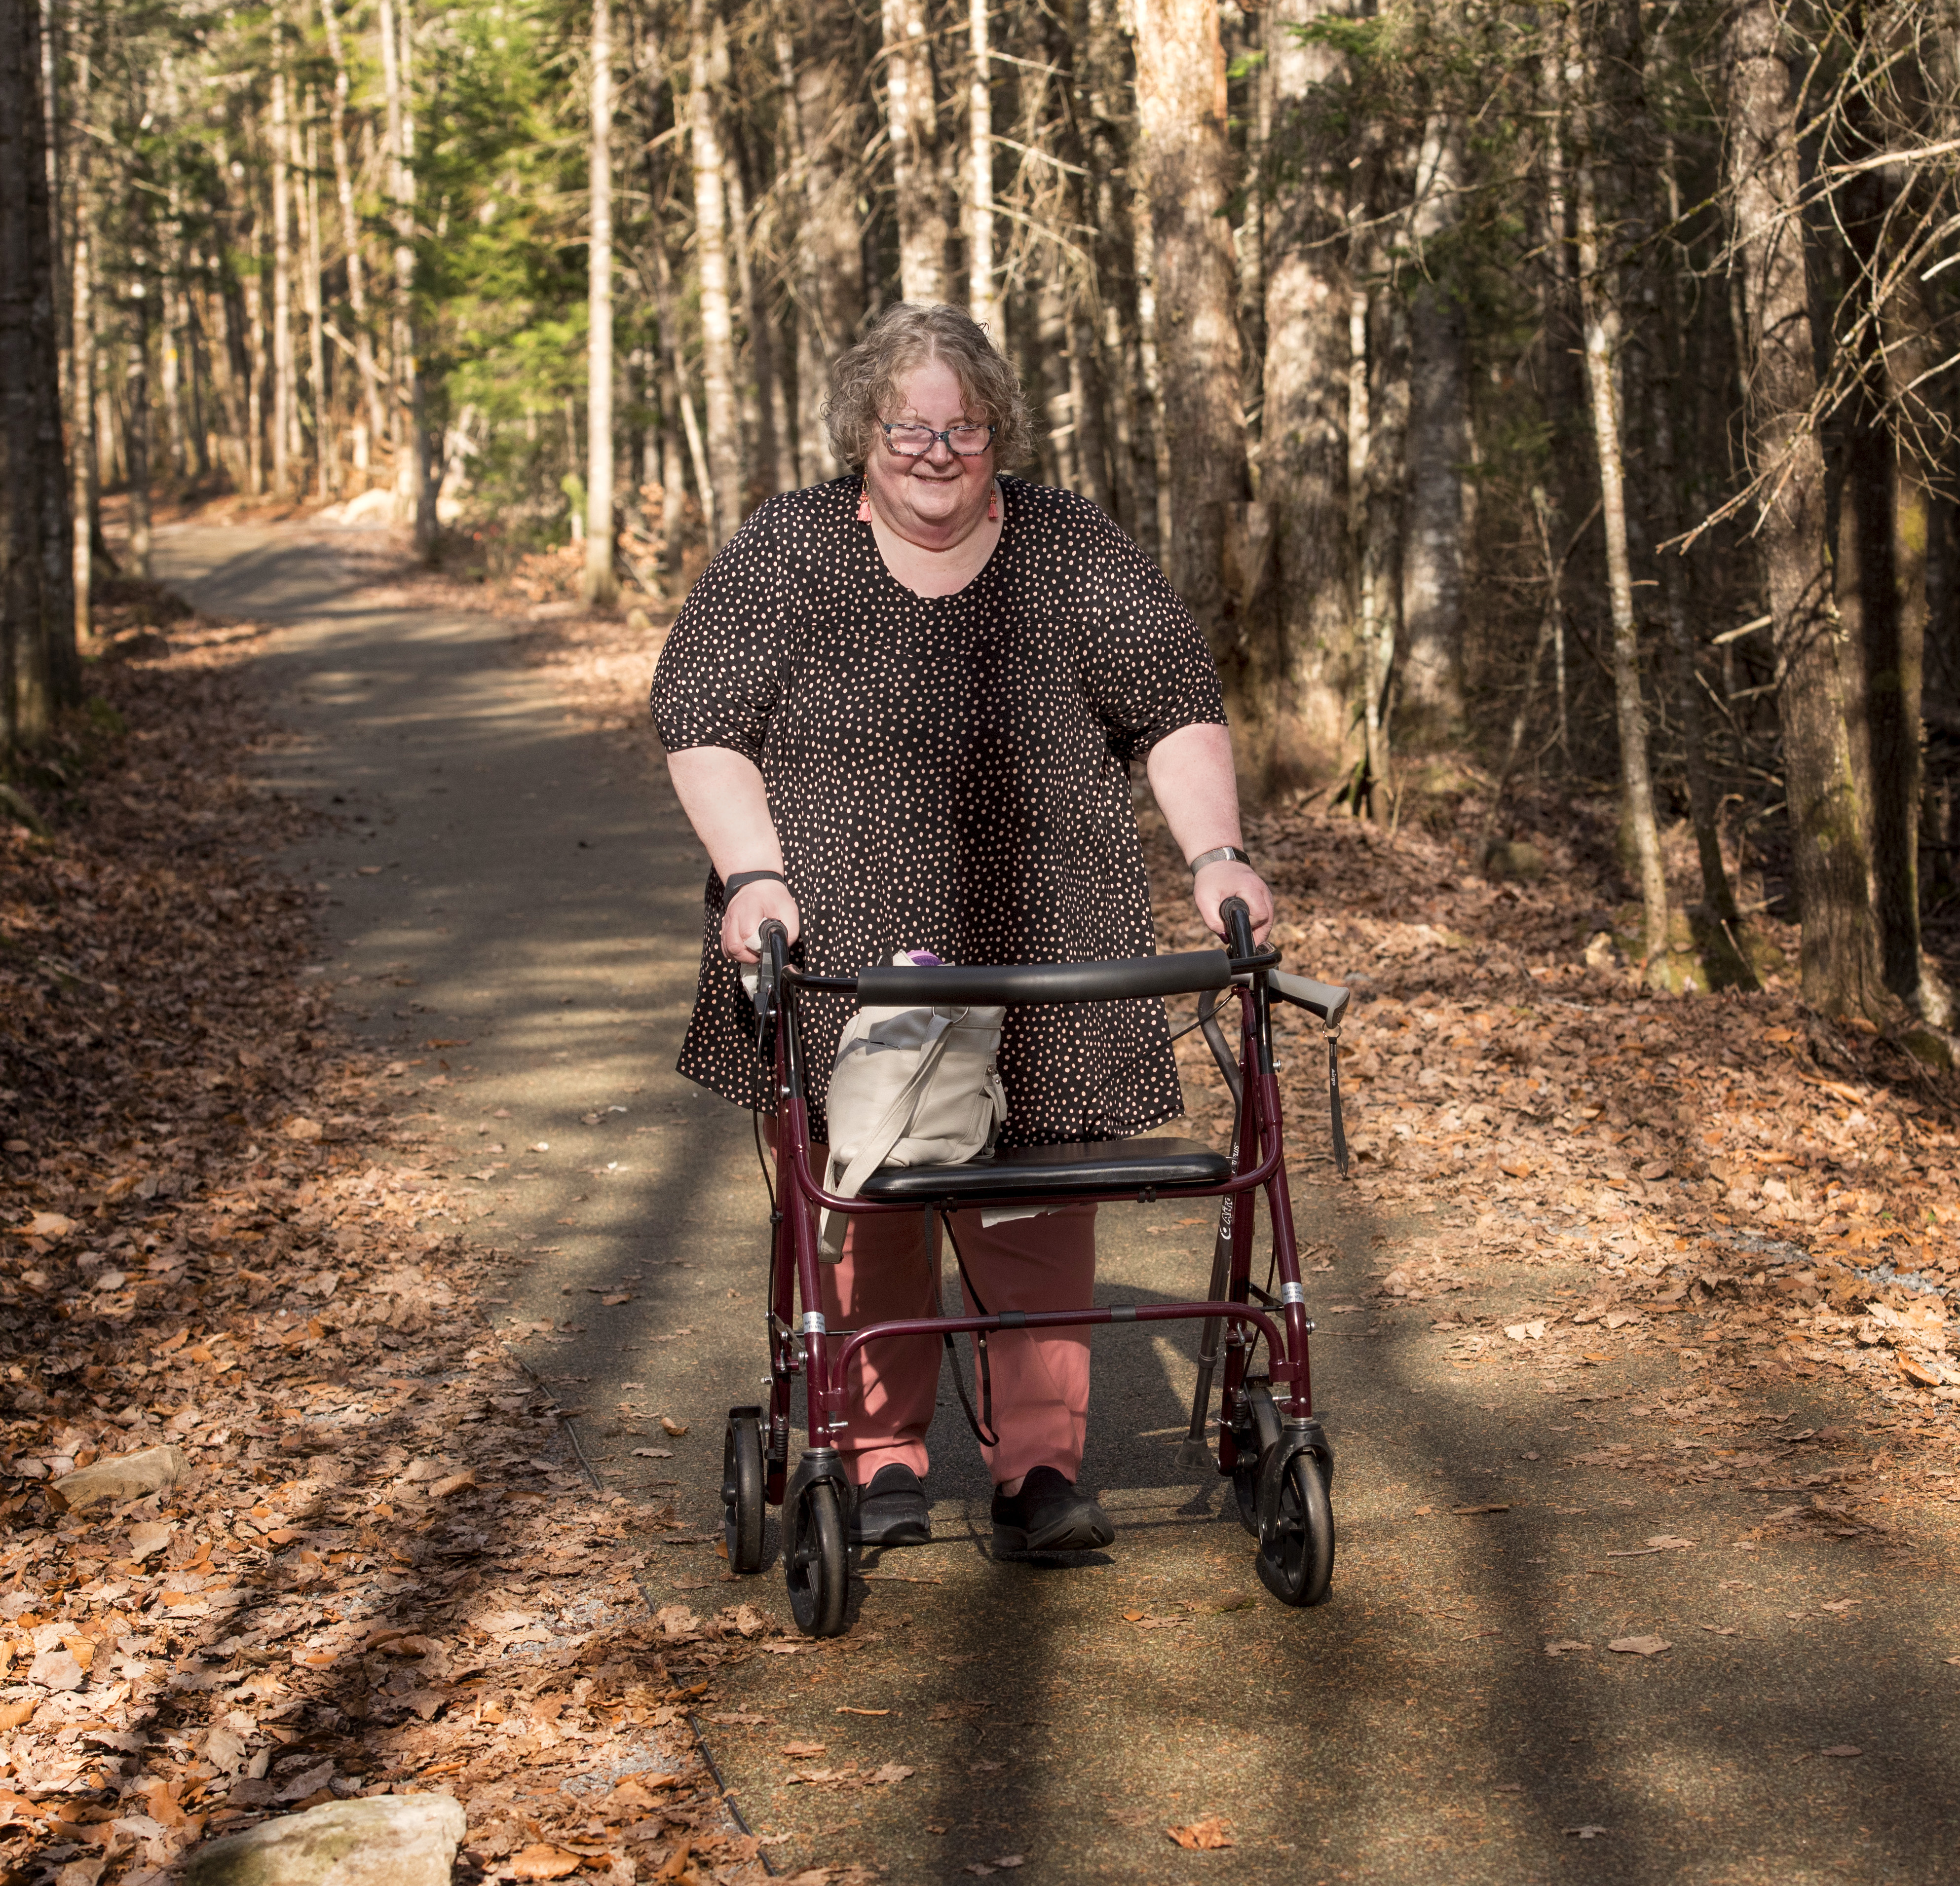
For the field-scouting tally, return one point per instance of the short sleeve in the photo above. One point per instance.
(1144, 663)
(721, 675)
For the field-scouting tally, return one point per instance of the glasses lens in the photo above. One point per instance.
(911, 440)
(969, 441)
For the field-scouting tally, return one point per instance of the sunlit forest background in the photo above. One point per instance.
(1563, 392)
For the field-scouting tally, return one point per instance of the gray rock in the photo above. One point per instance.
(126, 1476)
(385, 1840)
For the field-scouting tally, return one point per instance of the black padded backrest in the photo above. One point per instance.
(1185, 973)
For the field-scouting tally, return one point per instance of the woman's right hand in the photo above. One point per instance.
(746, 912)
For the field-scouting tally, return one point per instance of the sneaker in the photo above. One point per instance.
(891, 1510)
(1048, 1515)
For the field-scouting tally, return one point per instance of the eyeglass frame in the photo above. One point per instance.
(945, 435)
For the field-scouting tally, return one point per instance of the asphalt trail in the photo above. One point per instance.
(511, 909)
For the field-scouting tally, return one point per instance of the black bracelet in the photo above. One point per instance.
(742, 880)
(1218, 854)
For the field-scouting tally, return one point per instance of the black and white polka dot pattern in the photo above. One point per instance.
(948, 774)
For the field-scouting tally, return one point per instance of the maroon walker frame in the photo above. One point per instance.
(1271, 1443)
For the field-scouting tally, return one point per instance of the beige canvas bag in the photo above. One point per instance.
(915, 1087)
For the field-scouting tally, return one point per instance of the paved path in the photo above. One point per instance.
(512, 909)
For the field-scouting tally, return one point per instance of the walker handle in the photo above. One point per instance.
(1238, 925)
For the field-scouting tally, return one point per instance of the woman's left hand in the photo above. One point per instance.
(1228, 878)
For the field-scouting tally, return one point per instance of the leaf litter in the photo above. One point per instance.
(231, 1240)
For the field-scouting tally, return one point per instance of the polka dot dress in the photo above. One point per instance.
(948, 774)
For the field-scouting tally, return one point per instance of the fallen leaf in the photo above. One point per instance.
(1010, 1859)
(653, 1453)
(1641, 1646)
(1586, 1832)
(544, 1862)
(1531, 1332)
(147, 1540)
(1724, 1630)
(844, 1709)
(1470, 1511)
(890, 1773)
(613, 1303)
(20, 1712)
(44, 1224)
(676, 1429)
(1205, 1836)
(1563, 1646)
(802, 1750)
(1843, 1751)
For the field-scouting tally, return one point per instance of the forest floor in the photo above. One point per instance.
(1635, 1314)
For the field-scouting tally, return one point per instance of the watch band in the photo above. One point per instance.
(742, 880)
(1218, 854)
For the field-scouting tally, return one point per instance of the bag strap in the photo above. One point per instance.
(982, 1424)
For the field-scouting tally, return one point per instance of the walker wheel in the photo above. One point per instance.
(1297, 1533)
(1253, 1437)
(742, 1490)
(814, 1553)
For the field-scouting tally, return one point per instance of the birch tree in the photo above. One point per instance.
(601, 585)
(722, 497)
(1601, 318)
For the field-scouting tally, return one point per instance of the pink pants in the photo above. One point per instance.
(1040, 1377)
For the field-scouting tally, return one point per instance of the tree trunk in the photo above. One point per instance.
(408, 428)
(136, 432)
(326, 432)
(601, 586)
(824, 128)
(39, 673)
(1879, 570)
(1187, 164)
(1432, 585)
(81, 363)
(764, 423)
(723, 499)
(980, 293)
(1840, 954)
(1599, 290)
(1058, 413)
(285, 392)
(371, 423)
(1302, 451)
(912, 119)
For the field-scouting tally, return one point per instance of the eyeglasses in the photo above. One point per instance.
(915, 441)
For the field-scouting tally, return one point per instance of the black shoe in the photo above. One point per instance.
(1048, 1515)
(892, 1510)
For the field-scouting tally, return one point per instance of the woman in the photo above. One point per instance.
(900, 709)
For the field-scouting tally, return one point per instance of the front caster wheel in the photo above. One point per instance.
(1256, 1434)
(1297, 1532)
(742, 1490)
(813, 1552)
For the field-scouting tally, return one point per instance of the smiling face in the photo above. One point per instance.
(938, 499)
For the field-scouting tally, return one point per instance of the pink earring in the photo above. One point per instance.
(993, 503)
(864, 506)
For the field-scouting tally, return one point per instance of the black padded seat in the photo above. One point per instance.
(1102, 1169)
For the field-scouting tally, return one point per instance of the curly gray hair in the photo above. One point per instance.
(864, 380)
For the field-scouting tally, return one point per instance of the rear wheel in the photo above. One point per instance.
(814, 1555)
(1257, 1430)
(1296, 1542)
(742, 1490)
